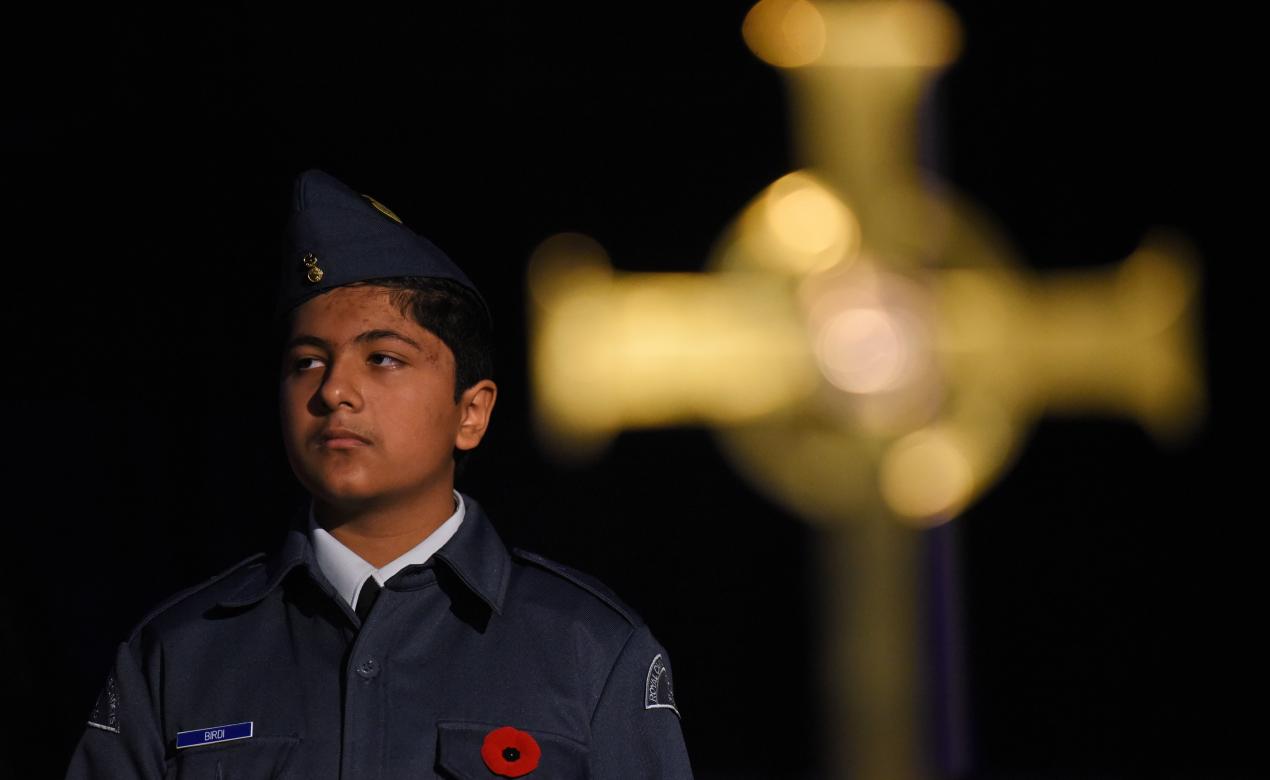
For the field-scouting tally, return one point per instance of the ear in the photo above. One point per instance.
(475, 407)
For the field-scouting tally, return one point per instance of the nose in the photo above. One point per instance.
(341, 386)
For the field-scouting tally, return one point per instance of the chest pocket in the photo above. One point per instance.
(459, 753)
(258, 758)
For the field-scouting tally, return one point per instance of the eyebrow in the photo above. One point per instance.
(360, 338)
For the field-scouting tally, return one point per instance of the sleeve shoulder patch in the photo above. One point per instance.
(105, 712)
(583, 581)
(659, 688)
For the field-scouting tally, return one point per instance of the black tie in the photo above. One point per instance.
(366, 599)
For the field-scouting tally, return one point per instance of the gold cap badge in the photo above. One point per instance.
(315, 273)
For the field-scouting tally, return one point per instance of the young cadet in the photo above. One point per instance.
(393, 635)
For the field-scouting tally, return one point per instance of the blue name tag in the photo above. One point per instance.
(212, 734)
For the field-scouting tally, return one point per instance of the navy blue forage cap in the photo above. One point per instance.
(337, 236)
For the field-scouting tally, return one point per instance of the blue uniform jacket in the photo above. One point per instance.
(266, 673)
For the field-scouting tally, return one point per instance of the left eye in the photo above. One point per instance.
(390, 360)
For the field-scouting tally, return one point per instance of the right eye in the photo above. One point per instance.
(304, 363)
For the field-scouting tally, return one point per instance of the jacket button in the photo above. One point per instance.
(368, 669)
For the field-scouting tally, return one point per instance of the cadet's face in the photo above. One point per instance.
(367, 401)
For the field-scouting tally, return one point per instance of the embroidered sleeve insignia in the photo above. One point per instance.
(105, 713)
(659, 689)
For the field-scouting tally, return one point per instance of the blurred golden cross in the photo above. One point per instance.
(864, 344)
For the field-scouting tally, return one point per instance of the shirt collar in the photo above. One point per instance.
(347, 571)
(474, 552)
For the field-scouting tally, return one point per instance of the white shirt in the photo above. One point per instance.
(347, 571)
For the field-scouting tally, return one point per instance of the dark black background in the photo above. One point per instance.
(147, 160)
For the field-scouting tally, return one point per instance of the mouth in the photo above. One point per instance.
(341, 439)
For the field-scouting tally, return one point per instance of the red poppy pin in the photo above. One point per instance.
(510, 752)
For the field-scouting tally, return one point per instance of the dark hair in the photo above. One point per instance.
(454, 314)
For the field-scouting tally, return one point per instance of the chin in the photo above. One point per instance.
(342, 489)
(346, 491)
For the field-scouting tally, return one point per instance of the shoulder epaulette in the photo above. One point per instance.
(581, 580)
(180, 596)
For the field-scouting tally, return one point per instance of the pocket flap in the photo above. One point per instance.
(258, 757)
